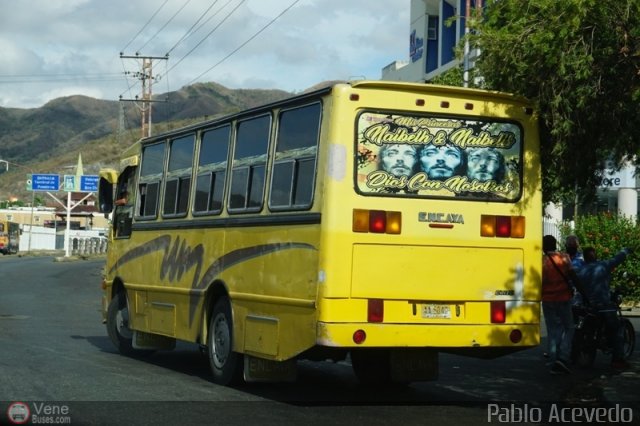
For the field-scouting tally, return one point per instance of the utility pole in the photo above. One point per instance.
(145, 75)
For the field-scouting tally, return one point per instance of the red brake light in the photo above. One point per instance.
(375, 310)
(377, 221)
(498, 312)
(503, 226)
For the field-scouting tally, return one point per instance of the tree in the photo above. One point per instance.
(579, 62)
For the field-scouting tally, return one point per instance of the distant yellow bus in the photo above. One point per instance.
(9, 237)
(376, 222)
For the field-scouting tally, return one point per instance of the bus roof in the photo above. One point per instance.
(326, 87)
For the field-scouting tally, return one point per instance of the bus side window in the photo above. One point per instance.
(152, 166)
(125, 200)
(249, 164)
(212, 170)
(294, 167)
(178, 177)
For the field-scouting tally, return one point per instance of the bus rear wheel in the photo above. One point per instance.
(226, 365)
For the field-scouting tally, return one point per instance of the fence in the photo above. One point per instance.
(81, 242)
(551, 227)
(88, 245)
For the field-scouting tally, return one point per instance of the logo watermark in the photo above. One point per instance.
(556, 413)
(20, 413)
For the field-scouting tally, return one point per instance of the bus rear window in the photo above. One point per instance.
(438, 157)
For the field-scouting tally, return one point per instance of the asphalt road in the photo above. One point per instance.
(56, 358)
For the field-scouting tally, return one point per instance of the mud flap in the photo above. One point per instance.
(142, 340)
(414, 364)
(265, 370)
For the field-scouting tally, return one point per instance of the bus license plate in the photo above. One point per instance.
(436, 311)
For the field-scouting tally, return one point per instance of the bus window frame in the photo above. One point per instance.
(125, 183)
(451, 116)
(295, 161)
(147, 181)
(250, 167)
(179, 176)
(212, 170)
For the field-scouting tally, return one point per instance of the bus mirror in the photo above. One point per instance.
(105, 196)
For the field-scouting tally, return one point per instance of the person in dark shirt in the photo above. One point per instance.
(572, 247)
(595, 277)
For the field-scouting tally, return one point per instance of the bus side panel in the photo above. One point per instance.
(274, 289)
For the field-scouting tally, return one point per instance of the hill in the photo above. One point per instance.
(48, 139)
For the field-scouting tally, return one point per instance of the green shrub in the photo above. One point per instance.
(609, 233)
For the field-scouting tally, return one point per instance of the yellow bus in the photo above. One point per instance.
(375, 222)
(9, 237)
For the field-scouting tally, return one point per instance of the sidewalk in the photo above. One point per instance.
(631, 311)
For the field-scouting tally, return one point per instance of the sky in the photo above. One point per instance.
(55, 48)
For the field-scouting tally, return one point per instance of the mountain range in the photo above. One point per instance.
(50, 138)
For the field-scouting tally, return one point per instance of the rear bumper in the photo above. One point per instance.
(428, 335)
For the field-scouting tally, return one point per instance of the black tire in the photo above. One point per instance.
(583, 349)
(629, 338)
(118, 324)
(226, 365)
(372, 366)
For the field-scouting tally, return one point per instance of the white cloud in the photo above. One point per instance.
(75, 44)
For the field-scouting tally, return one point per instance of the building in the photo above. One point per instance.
(84, 216)
(44, 228)
(431, 52)
(432, 40)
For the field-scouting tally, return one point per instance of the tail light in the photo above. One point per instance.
(375, 310)
(377, 221)
(498, 312)
(502, 226)
(359, 336)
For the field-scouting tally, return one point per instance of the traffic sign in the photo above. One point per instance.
(44, 182)
(89, 183)
(69, 183)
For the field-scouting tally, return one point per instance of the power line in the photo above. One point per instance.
(164, 26)
(246, 42)
(209, 33)
(188, 33)
(144, 26)
(57, 78)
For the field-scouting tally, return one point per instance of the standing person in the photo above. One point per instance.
(557, 291)
(572, 246)
(595, 277)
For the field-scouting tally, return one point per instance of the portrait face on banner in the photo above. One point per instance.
(438, 157)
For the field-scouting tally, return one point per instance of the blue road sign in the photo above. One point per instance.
(45, 182)
(89, 183)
